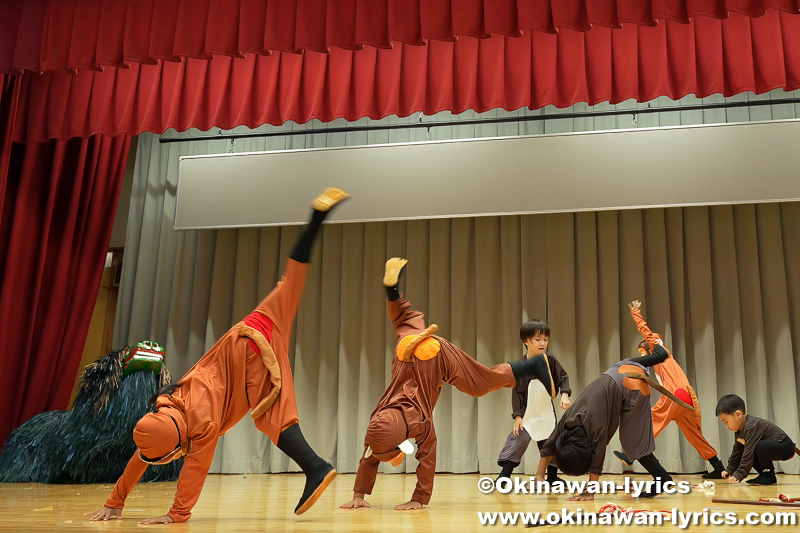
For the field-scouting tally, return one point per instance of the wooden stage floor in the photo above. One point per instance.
(265, 503)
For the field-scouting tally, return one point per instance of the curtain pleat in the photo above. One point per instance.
(9, 98)
(703, 57)
(66, 35)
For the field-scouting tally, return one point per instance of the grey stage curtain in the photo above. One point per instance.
(720, 283)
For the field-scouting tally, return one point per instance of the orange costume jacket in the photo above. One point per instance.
(665, 410)
(224, 385)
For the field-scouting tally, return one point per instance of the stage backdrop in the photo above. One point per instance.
(720, 283)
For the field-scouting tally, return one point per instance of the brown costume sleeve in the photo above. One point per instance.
(747, 458)
(736, 459)
(426, 455)
(281, 304)
(194, 472)
(133, 473)
(469, 376)
(366, 474)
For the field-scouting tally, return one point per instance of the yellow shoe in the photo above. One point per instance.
(329, 198)
(393, 268)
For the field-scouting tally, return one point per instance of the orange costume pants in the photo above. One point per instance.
(665, 411)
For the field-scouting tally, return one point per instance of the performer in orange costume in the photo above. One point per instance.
(422, 364)
(248, 368)
(674, 379)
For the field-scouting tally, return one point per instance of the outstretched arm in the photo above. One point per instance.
(124, 486)
(746, 459)
(365, 481)
(471, 377)
(426, 455)
(641, 325)
(193, 474)
(659, 355)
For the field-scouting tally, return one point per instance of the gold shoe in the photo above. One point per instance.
(393, 268)
(329, 198)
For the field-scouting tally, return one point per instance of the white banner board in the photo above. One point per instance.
(619, 169)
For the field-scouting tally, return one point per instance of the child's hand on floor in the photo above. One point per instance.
(105, 513)
(166, 519)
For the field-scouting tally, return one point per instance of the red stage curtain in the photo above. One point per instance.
(9, 98)
(59, 200)
(63, 35)
(704, 57)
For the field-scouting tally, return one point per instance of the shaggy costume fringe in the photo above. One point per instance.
(92, 442)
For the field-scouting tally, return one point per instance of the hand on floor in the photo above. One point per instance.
(355, 503)
(166, 519)
(408, 506)
(105, 513)
(585, 497)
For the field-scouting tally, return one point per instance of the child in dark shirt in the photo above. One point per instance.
(535, 335)
(758, 443)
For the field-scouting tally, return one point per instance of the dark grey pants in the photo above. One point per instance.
(515, 447)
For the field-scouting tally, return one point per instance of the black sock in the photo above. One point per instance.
(301, 252)
(765, 477)
(508, 467)
(392, 293)
(552, 474)
(718, 467)
(654, 468)
(293, 443)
